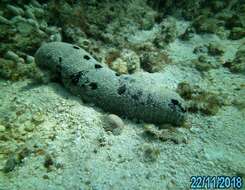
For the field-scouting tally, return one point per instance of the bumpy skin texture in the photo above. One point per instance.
(133, 96)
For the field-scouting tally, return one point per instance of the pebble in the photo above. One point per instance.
(38, 118)
(29, 128)
(10, 164)
(12, 56)
(114, 124)
(2, 128)
(29, 59)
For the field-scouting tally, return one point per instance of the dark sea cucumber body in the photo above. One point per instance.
(132, 96)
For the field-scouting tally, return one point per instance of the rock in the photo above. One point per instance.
(15, 159)
(2, 128)
(204, 63)
(205, 24)
(151, 131)
(216, 49)
(238, 64)
(114, 124)
(3, 20)
(29, 126)
(200, 100)
(150, 153)
(217, 5)
(188, 34)
(166, 133)
(237, 33)
(119, 66)
(12, 56)
(48, 161)
(147, 21)
(38, 118)
(10, 163)
(132, 60)
(167, 33)
(128, 62)
(55, 37)
(239, 100)
(29, 59)
(154, 61)
(84, 43)
(111, 56)
(200, 49)
(15, 10)
(185, 90)
(241, 172)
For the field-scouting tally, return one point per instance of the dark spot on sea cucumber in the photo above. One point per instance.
(60, 59)
(125, 78)
(86, 57)
(132, 80)
(75, 77)
(97, 66)
(129, 79)
(48, 161)
(93, 85)
(76, 47)
(121, 89)
(58, 68)
(49, 56)
(175, 103)
(117, 74)
(137, 95)
(181, 108)
(58, 76)
(149, 100)
(142, 103)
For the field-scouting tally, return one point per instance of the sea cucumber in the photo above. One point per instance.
(126, 95)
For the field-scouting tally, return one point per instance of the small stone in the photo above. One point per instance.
(38, 118)
(48, 162)
(238, 64)
(2, 128)
(45, 176)
(123, 63)
(84, 43)
(3, 20)
(12, 56)
(215, 49)
(150, 153)
(241, 172)
(114, 124)
(195, 130)
(132, 60)
(56, 37)
(204, 63)
(29, 59)
(10, 164)
(152, 61)
(152, 131)
(29, 128)
(15, 10)
(237, 33)
(119, 66)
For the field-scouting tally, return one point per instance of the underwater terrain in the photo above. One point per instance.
(54, 137)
